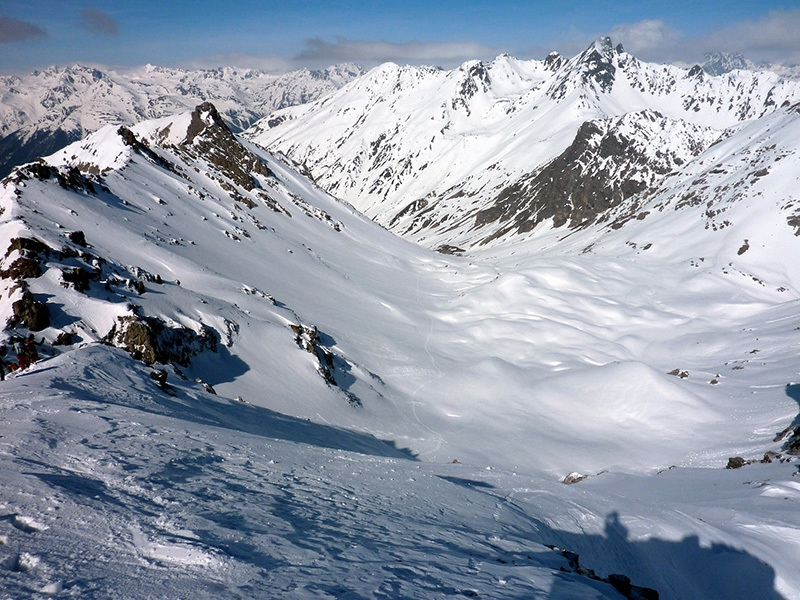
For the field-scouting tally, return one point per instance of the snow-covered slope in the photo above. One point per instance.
(351, 368)
(112, 488)
(436, 155)
(43, 112)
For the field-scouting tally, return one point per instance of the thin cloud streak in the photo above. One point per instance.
(98, 22)
(16, 30)
(266, 62)
(368, 53)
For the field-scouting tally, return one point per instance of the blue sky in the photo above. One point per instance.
(281, 35)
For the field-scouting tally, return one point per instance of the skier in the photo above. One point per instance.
(22, 358)
(30, 349)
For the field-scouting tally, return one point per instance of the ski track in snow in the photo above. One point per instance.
(414, 394)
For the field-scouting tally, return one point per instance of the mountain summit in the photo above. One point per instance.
(595, 66)
(435, 155)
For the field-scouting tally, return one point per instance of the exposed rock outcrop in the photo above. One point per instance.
(150, 340)
(609, 162)
(308, 338)
(30, 313)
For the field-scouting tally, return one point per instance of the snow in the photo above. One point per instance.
(449, 142)
(85, 99)
(466, 388)
(194, 494)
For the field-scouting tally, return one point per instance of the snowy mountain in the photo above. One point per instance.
(436, 155)
(719, 63)
(248, 389)
(44, 111)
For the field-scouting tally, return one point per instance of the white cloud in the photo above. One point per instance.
(319, 54)
(368, 53)
(264, 62)
(775, 37)
(644, 36)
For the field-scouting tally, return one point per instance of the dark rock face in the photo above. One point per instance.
(69, 178)
(77, 237)
(736, 462)
(143, 148)
(791, 438)
(308, 339)
(719, 63)
(30, 313)
(554, 61)
(621, 583)
(160, 377)
(208, 136)
(609, 162)
(564, 190)
(28, 245)
(696, 72)
(150, 340)
(78, 277)
(65, 338)
(594, 67)
(22, 268)
(449, 249)
(330, 366)
(477, 78)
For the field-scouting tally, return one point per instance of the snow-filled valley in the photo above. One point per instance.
(349, 414)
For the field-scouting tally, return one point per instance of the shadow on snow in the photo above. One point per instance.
(793, 391)
(676, 569)
(182, 402)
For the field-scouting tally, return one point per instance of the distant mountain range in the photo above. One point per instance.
(467, 156)
(42, 112)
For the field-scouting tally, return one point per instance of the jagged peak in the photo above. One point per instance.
(470, 65)
(719, 63)
(554, 61)
(603, 45)
(342, 70)
(696, 72)
(68, 71)
(184, 128)
(602, 48)
(204, 117)
(595, 65)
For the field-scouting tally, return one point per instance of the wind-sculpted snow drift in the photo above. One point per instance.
(349, 414)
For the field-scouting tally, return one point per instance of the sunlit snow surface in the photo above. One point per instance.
(521, 365)
(112, 488)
